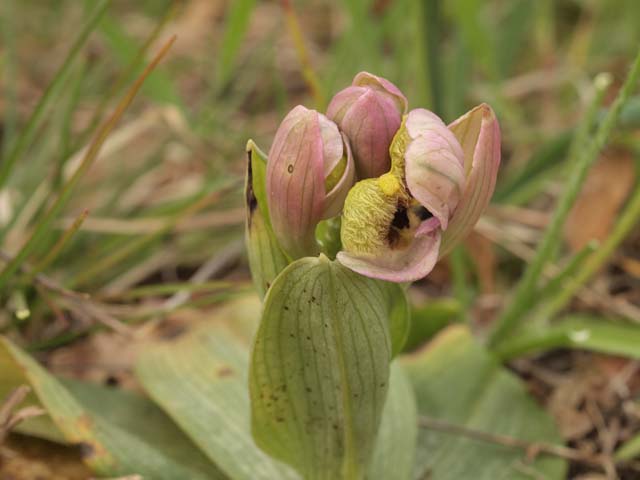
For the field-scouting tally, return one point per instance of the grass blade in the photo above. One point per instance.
(59, 245)
(236, 26)
(30, 128)
(627, 221)
(577, 331)
(91, 154)
(308, 72)
(525, 291)
(136, 61)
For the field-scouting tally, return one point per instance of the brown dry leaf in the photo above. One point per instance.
(600, 199)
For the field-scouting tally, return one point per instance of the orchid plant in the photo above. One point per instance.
(347, 209)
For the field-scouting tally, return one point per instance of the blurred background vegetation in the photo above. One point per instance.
(154, 224)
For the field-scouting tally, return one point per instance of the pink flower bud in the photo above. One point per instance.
(369, 112)
(440, 182)
(309, 173)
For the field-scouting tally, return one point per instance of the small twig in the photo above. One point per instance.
(8, 418)
(531, 449)
(80, 301)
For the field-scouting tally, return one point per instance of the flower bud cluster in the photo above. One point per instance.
(405, 185)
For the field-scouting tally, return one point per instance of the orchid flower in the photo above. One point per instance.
(395, 227)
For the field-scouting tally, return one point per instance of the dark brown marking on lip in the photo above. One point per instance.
(400, 221)
(422, 213)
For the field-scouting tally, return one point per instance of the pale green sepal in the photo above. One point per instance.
(266, 258)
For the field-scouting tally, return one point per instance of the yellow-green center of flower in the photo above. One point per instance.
(336, 174)
(379, 214)
(389, 184)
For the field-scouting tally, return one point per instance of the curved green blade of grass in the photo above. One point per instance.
(236, 25)
(592, 333)
(42, 228)
(594, 262)
(524, 294)
(135, 62)
(160, 87)
(26, 136)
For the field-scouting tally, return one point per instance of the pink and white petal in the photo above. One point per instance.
(434, 172)
(408, 265)
(334, 200)
(478, 132)
(421, 119)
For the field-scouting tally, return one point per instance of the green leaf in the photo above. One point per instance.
(399, 317)
(149, 445)
(320, 369)
(577, 331)
(200, 380)
(266, 258)
(395, 449)
(458, 381)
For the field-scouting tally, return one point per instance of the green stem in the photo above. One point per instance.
(628, 220)
(526, 290)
